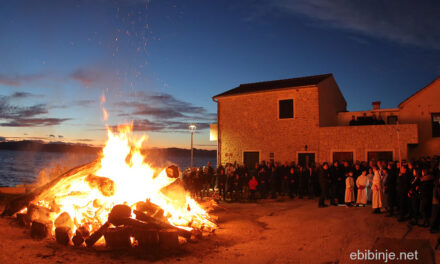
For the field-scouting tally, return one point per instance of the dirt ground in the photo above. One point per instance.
(265, 232)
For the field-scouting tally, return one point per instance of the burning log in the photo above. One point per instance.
(20, 202)
(146, 238)
(90, 241)
(161, 225)
(39, 230)
(22, 219)
(81, 234)
(117, 238)
(63, 220)
(147, 206)
(118, 214)
(63, 235)
(168, 239)
(39, 214)
(103, 184)
(172, 171)
(77, 239)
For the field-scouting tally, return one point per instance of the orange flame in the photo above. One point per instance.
(121, 176)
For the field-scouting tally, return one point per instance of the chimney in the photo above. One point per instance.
(376, 105)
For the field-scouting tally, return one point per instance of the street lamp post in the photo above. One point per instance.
(192, 128)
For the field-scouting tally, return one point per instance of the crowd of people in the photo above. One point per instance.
(409, 191)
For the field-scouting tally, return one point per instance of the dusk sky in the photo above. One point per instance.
(159, 62)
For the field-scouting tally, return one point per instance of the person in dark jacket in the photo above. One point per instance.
(338, 183)
(426, 189)
(285, 179)
(262, 182)
(236, 188)
(273, 181)
(414, 196)
(390, 189)
(291, 179)
(435, 220)
(222, 183)
(324, 182)
(403, 186)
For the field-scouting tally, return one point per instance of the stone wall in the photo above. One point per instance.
(417, 110)
(361, 139)
(250, 122)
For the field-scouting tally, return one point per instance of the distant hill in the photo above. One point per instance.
(31, 145)
(40, 146)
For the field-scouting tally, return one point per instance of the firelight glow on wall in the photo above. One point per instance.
(213, 132)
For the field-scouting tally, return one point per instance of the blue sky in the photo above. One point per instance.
(159, 62)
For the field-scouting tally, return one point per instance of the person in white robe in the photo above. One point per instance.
(362, 182)
(349, 189)
(377, 191)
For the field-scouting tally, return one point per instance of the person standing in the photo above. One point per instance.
(414, 197)
(426, 193)
(291, 180)
(324, 182)
(370, 176)
(390, 189)
(349, 189)
(253, 183)
(262, 182)
(377, 191)
(362, 183)
(221, 178)
(338, 183)
(435, 207)
(403, 185)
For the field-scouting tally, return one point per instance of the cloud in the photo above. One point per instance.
(165, 105)
(84, 103)
(163, 112)
(84, 140)
(87, 77)
(33, 122)
(17, 79)
(20, 95)
(404, 22)
(25, 116)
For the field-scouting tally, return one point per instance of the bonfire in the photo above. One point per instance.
(119, 196)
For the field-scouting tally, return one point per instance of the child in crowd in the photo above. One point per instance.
(253, 183)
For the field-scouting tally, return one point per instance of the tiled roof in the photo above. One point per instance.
(273, 85)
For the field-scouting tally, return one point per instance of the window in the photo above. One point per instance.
(435, 124)
(392, 119)
(250, 158)
(285, 109)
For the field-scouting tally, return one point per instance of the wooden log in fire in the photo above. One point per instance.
(90, 241)
(39, 230)
(81, 234)
(162, 225)
(117, 237)
(118, 214)
(20, 202)
(22, 219)
(63, 235)
(168, 239)
(77, 239)
(146, 238)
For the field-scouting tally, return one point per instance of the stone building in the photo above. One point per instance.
(305, 119)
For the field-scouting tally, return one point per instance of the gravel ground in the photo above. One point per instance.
(265, 232)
